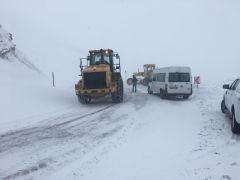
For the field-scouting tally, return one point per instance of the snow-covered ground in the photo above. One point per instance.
(52, 136)
(169, 139)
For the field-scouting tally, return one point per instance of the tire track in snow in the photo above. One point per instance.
(51, 135)
(7, 139)
(87, 131)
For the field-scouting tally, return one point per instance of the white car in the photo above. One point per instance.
(231, 104)
(171, 81)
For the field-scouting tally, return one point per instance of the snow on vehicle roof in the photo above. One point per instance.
(173, 69)
(98, 50)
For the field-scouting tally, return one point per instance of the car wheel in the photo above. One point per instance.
(185, 96)
(235, 125)
(223, 106)
(162, 95)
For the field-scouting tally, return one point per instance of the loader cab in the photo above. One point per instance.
(107, 57)
(102, 56)
(148, 67)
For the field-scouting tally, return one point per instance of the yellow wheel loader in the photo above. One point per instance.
(101, 76)
(146, 74)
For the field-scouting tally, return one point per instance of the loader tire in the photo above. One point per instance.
(145, 82)
(117, 96)
(84, 99)
(129, 81)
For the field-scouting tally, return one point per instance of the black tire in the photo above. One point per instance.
(223, 106)
(117, 96)
(129, 81)
(87, 99)
(235, 126)
(149, 90)
(145, 82)
(185, 96)
(84, 99)
(79, 98)
(162, 94)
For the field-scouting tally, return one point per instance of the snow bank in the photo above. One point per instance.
(26, 96)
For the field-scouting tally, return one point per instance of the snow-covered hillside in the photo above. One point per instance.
(9, 52)
(25, 92)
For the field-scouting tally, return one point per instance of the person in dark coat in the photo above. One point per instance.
(134, 88)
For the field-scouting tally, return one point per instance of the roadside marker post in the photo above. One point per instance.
(53, 78)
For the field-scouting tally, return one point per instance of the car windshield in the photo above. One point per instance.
(179, 77)
(96, 58)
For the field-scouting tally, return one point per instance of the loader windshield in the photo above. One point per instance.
(96, 58)
(106, 58)
(100, 58)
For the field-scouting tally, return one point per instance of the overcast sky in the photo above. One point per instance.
(202, 34)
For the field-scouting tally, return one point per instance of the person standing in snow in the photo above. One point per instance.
(134, 88)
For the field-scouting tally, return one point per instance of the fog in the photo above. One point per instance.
(54, 34)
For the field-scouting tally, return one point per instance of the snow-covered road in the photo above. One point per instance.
(158, 147)
(55, 141)
(142, 138)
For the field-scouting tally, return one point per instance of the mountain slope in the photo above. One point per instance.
(9, 52)
(25, 91)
